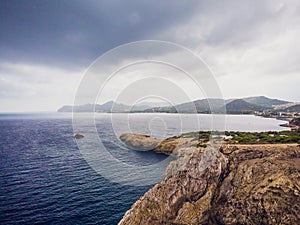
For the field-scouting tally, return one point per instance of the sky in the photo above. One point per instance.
(46, 47)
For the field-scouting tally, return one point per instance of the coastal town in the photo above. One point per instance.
(292, 117)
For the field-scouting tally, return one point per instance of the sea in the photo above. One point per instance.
(49, 177)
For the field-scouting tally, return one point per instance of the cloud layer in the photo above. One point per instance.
(252, 46)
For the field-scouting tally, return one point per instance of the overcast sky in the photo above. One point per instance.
(252, 46)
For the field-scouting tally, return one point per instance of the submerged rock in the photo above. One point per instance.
(246, 184)
(78, 135)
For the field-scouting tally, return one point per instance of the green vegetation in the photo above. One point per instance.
(270, 137)
(200, 135)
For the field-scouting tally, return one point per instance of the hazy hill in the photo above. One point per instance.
(198, 106)
(241, 106)
(142, 106)
(264, 101)
(202, 106)
(110, 106)
(211, 105)
(234, 106)
(106, 107)
(114, 107)
(65, 108)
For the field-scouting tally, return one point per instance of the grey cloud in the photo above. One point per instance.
(73, 33)
(253, 40)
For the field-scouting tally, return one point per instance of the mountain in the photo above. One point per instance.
(213, 105)
(152, 104)
(142, 106)
(264, 101)
(113, 107)
(198, 106)
(110, 106)
(65, 108)
(202, 106)
(106, 107)
(241, 106)
(210, 105)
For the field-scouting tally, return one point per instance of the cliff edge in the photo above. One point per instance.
(236, 184)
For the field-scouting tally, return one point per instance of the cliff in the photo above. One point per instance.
(236, 184)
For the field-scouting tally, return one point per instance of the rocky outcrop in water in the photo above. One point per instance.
(78, 135)
(139, 142)
(240, 184)
(144, 142)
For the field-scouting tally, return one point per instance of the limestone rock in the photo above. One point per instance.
(145, 142)
(262, 187)
(185, 193)
(241, 184)
(139, 142)
(236, 184)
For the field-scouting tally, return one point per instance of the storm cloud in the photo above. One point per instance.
(252, 45)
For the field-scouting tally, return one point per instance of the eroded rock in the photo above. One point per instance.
(188, 192)
(140, 142)
(261, 188)
(145, 142)
(246, 184)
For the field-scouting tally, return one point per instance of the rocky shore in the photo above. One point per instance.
(231, 184)
(294, 124)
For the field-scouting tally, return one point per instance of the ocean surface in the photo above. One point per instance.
(46, 177)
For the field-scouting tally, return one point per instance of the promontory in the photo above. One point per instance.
(233, 183)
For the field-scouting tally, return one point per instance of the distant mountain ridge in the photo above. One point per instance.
(210, 105)
(241, 106)
(264, 101)
(106, 107)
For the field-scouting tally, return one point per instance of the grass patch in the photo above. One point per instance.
(269, 137)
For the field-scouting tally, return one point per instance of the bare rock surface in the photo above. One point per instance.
(145, 142)
(262, 187)
(171, 200)
(240, 184)
(139, 142)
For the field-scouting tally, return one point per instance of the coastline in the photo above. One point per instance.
(234, 182)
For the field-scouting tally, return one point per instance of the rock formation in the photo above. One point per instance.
(144, 142)
(139, 142)
(240, 184)
(262, 186)
(78, 135)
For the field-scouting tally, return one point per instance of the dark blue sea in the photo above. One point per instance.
(44, 178)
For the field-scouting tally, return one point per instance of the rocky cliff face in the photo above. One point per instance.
(236, 185)
(262, 186)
